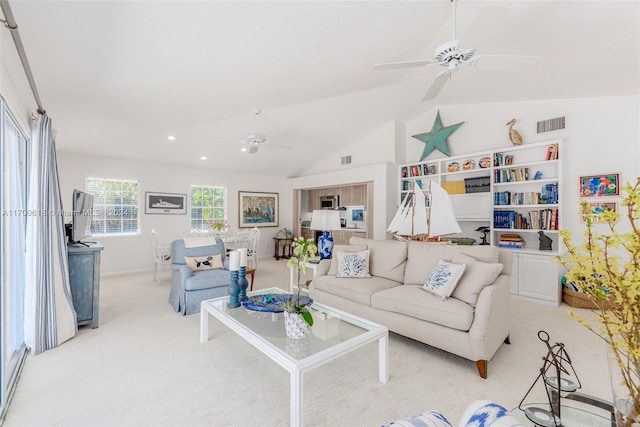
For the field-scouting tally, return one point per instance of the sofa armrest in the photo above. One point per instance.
(492, 319)
(323, 268)
(183, 270)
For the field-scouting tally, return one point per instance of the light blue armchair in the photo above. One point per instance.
(189, 288)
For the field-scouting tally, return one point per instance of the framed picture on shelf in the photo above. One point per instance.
(258, 209)
(597, 208)
(165, 203)
(600, 185)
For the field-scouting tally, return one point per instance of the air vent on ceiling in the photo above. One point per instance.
(551, 124)
(345, 160)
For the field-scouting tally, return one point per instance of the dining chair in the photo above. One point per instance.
(161, 254)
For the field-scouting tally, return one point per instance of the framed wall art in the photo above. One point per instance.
(165, 203)
(600, 185)
(597, 208)
(258, 209)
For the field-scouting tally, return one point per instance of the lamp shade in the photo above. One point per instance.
(325, 220)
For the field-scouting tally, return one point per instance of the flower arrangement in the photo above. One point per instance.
(606, 267)
(219, 224)
(303, 250)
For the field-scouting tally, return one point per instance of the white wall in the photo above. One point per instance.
(601, 136)
(126, 254)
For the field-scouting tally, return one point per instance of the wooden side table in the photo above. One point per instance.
(285, 243)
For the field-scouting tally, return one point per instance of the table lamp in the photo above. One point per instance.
(325, 221)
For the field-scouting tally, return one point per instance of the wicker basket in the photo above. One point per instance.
(578, 299)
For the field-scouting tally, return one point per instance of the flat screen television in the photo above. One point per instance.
(82, 215)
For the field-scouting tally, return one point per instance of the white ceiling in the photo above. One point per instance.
(117, 77)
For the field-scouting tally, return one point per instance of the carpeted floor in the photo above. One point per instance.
(145, 365)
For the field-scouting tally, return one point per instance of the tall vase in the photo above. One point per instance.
(626, 406)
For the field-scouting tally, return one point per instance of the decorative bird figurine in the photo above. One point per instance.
(514, 135)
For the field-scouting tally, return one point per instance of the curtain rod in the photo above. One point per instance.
(10, 23)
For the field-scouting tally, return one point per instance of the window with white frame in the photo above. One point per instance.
(116, 206)
(208, 206)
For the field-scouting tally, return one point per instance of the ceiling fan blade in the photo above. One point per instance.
(253, 149)
(437, 85)
(505, 62)
(403, 64)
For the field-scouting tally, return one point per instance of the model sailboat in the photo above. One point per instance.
(415, 218)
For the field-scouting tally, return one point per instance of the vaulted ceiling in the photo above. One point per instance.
(118, 77)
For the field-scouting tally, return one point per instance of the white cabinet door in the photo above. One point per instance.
(538, 278)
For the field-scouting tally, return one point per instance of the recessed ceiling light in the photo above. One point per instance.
(171, 138)
(203, 157)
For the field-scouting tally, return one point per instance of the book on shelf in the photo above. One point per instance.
(511, 237)
(552, 152)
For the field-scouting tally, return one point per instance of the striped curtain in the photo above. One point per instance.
(49, 315)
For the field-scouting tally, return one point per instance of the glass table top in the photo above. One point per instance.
(330, 328)
(571, 416)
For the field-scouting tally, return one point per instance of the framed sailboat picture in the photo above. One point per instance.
(165, 203)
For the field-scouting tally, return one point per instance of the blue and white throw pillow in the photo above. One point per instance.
(443, 280)
(428, 419)
(483, 413)
(353, 264)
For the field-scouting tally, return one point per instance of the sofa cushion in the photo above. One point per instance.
(333, 268)
(359, 291)
(411, 300)
(353, 264)
(423, 257)
(476, 277)
(387, 259)
(207, 262)
(206, 279)
(444, 279)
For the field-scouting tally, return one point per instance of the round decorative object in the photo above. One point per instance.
(469, 164)
(485, 162)
(453, 167)
(272, 303)
(295, 325)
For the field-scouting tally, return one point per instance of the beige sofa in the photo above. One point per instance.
(472, 323)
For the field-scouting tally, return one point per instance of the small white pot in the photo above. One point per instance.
(295, 325)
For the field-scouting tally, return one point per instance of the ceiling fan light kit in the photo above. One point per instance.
(449, 55)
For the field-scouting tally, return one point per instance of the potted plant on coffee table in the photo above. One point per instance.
(297, 317)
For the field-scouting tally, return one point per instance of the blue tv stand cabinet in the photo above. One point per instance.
(84, 280)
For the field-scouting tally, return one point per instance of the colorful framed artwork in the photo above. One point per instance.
(600, 185)
(597, 208)
(357, 215)
(165, 203)
(258, 209)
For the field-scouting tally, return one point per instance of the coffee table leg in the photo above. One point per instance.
(383, 358)
(204, 325)
(296, 398)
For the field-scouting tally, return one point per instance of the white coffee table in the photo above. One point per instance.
(334, 333)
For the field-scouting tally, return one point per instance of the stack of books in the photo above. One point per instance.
(511, 241)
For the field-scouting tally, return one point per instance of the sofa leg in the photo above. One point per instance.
(482, 368)
(507, 340)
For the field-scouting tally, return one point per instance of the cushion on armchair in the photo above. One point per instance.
(428, 419)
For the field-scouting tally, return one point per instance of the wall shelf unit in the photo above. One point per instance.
(516, 192)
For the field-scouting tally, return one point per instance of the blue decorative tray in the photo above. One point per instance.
(272, 303)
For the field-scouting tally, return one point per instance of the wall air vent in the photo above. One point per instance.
(551, 124)
(346, 160)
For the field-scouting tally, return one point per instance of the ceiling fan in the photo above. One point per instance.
(450, 55)
(257, 139)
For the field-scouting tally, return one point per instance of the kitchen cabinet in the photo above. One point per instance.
(308, 233)
(535, 279)
(357, 195)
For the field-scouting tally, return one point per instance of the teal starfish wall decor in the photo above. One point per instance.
(437, 138)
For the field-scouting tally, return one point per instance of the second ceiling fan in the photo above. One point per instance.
(257, 139)
(450, 56)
